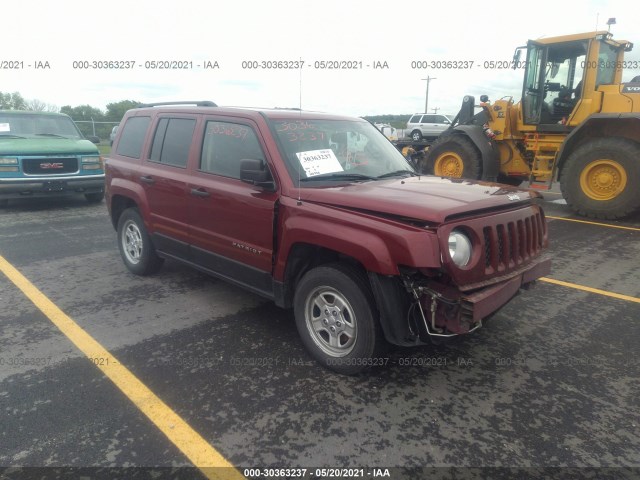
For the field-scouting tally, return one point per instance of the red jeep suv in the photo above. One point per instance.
(320, 213)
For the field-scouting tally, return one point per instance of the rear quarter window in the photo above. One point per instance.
(132, 137)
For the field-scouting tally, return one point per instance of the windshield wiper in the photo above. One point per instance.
(337, 176)
(397, 173)
(50, 135)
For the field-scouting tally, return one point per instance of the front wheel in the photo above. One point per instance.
(137, 250)
(600, 179)
(337, 320)
(454, 156)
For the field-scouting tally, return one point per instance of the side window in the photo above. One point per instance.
(441, 119)
(415, 119)
(225, 144)
(172, 140)
(429, 119)
(132, 136)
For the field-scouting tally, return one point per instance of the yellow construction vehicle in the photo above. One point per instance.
(576, 123)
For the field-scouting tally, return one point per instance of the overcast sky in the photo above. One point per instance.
(232, 31)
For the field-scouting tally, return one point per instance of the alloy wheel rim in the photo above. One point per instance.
(330, 321)
(132, 242)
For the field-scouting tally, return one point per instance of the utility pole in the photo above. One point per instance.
(426, 101)
(435, 109)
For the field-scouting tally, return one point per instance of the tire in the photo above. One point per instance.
(137, 250)
(416, 135)
(600, 178)
(94, 197)
(513, 181)
(346, 336)
(454, 156)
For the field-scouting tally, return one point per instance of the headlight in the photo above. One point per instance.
(8, 161)
(92, 159)
(459, 248)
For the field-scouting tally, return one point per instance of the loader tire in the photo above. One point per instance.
(601, 178)
(454, 156)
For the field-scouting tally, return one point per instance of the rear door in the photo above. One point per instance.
(164, 177)
(231, 221)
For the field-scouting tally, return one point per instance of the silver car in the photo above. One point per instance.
(427, 125)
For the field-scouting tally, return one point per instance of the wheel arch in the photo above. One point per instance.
(304, 257)
(625, 125)
(119, 203)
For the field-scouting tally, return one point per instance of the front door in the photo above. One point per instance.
(231, 221)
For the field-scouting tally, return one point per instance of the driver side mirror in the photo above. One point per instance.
(256, 173)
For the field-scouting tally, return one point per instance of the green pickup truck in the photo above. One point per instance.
(44, 154)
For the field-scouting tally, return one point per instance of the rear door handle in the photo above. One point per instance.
(149, 180)
(199, 192)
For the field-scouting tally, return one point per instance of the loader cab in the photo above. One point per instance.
(573, 65)
(553, 83)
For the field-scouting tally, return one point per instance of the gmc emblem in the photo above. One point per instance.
(49, 166)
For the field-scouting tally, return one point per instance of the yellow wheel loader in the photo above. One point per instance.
(576, 123)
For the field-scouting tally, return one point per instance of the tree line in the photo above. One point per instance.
(86, 117)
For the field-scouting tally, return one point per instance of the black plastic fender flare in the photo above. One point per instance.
(490, 156)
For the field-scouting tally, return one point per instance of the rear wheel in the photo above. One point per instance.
(137, 250)
(337, 319)
(600, 179)
(416, 135)
(454, 156)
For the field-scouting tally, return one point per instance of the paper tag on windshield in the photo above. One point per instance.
(317, 162)
(5, 127)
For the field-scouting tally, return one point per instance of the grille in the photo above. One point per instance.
(49, 166)
(510, 245)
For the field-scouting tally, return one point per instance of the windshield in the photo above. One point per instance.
(340, 150)
(15, 124)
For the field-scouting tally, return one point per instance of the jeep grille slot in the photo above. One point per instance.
(512, 245)
(49, 166)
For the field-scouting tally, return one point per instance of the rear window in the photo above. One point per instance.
(172, 141)
(132, 137)
(415, 119)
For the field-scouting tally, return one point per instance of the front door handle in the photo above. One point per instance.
(148, 179)
(199, 192)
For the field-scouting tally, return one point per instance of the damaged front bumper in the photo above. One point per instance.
(447, 311)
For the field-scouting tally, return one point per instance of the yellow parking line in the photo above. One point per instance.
(594, 223)
(212, 464)
(590, 290)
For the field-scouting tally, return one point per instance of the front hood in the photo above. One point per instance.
(46, 146)
(427, 198)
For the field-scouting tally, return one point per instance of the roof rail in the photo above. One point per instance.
(197, 103)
